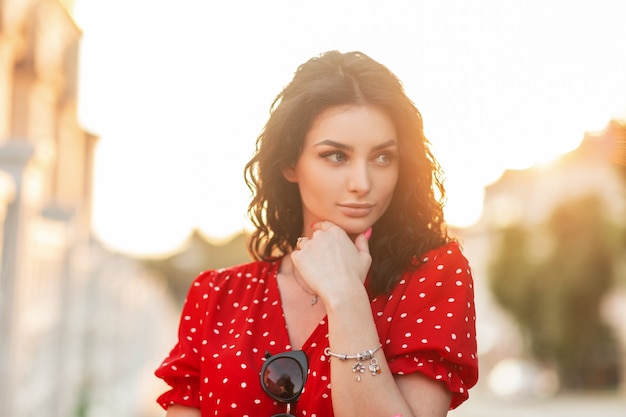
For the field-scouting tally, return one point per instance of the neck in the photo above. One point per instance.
(301, 283)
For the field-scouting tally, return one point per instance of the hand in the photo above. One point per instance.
(329, 262)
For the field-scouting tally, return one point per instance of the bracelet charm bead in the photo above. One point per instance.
(358, 368)
(374, 368)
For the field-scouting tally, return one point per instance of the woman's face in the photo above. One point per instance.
(348, 168)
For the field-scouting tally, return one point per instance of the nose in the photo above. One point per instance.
(359, 181)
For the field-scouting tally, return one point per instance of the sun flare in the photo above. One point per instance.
(178, 110)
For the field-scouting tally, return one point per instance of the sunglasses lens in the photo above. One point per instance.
(283, 377)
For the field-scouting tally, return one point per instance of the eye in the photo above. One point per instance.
(385, 158)
(334, 156)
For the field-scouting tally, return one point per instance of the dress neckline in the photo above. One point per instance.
(322, 325)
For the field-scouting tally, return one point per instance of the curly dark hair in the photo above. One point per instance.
(413, 222)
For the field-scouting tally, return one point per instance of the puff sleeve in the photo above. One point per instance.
(427, 324)
(181, 369)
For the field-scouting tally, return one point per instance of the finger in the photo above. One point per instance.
(362, 241)
(322, 225)
(299, 242)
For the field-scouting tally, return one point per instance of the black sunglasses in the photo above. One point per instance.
(283, 377)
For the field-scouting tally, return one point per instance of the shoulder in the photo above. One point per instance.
(442, 269)
(254, 271)
(444, 259)
(212, 289)
(448, 253)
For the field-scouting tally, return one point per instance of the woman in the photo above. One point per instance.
(358, 297)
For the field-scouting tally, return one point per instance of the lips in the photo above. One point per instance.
(356, 209)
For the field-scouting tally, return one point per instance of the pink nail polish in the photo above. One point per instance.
(368, 234)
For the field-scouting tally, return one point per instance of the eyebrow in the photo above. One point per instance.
(328, 142)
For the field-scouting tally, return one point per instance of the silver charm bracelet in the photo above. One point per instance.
(358, 367)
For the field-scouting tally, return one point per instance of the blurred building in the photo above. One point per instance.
(77, 323)
(528, 197)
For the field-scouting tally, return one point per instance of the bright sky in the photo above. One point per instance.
(179, 90)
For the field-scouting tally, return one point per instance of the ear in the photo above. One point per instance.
(290, 174)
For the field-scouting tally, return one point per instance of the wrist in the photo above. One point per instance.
(346, 302)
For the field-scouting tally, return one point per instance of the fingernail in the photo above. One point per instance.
(368, 233)
(312, 224)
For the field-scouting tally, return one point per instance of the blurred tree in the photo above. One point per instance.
(197, 255)
(615, 136)
(612, 142)
(552, 281)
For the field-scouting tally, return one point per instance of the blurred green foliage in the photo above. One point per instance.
(552, 279)
(198, 254)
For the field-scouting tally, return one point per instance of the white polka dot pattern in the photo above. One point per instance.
(429, 309)
(233, 316)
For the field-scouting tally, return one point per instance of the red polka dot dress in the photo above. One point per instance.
(233, 316)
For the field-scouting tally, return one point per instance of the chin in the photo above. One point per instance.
(353, 229)
(352, 226)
